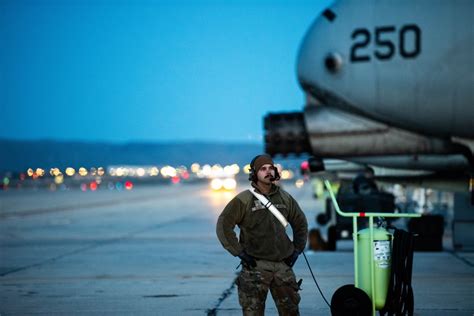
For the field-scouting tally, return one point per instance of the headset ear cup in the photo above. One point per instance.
(277, 175)
(252, 174)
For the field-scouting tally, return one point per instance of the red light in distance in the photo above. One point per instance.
(93, 186)
(128, 185)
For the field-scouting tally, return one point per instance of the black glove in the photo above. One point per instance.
(247, 259)
(290, 261)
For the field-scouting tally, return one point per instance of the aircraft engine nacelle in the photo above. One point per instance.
(328, 132)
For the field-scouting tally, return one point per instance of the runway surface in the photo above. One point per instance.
(153, 251)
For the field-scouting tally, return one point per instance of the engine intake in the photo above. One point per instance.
(285, 133)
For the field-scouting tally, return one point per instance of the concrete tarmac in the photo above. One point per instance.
(153, 251)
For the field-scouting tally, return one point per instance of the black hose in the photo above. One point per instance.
(316, 282)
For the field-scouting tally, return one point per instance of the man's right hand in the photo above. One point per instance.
(247, 259)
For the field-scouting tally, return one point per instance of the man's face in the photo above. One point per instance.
(266, 173)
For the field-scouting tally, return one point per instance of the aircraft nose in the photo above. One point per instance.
(317, 57)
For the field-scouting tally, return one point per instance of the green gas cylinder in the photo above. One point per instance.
(382, 255)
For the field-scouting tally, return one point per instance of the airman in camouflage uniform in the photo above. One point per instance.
(266, 252)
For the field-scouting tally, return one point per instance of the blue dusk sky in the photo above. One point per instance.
(148, 70)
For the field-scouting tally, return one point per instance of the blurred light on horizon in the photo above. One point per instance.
(93, 186)
(55, 172)
(168, 172)
(154, 171)
(140, 172)
(82, 172)
(247, 168)
(70, 171)
(100, 171)
(299, 183)
(230, 184)
(286, 174)
(59, 179)
(128, 185)
(39, 172)
(195, 167)
(216, 184)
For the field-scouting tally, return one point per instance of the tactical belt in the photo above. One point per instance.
(270, 207)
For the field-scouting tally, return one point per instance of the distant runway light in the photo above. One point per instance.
(128, 185)
(228, 170)
(247, 169)
(206, 170)
(235, 168)
(100, 171)
(82, 171)
(70, 171)
(230, 184)
(216, 184)
(195, 167)
(93, 186)
(175, 179)
(140, 172)
(285, 174)
(154, 171)
(299, 183)
(119, 172)
(217, 170)
(93, 171)
(30, 172)
(39, 172)
(112, 172)
(59, 179)
(54, 172)
(168, 171)
(83, 187)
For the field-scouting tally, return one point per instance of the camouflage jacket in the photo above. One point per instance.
(261, 234)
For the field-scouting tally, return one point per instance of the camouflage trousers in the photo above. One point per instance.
(253, 285)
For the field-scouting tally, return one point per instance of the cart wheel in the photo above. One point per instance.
(350, 301)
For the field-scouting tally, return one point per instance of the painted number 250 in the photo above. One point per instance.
(409, 43)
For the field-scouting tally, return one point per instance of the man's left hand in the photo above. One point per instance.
(290, 261)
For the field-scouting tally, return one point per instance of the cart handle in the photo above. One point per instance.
(362, 214)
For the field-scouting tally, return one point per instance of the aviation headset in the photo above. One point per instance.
(253, 172)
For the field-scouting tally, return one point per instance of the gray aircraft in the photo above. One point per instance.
(388, 84)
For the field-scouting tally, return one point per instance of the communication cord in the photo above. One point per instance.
(316, 282)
